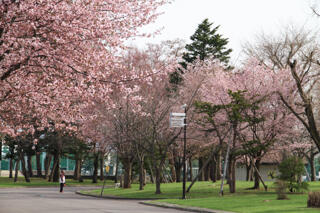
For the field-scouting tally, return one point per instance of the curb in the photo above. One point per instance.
(115, 197)
(184, 208)
(158, 204)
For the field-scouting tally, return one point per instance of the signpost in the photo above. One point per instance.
(180, 120)
(177, 119)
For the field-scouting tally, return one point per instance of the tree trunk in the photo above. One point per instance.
(95, 168)
(199, 173)
(77, 169)
(56, 174)
(121, 181)
(151, 173)
(127, 164)
(55, 164)
(201, 177)
(172, 169)
(141, 174)
(158, 180)
(144, 177)
(206, 173)
(132, 175)
(178, 167)
(47, 163)
(248, 170)
(16, 171)
(312, 168)
(251, 171)
(213, 170)
(38, 161)
(218, 165)
(232, 176)
(56, 169)
(256, 175)
(46, 169)
(178, 173)
(24, 171)
(190, 170)
(260, 177)
(29, 163)
(116, 173)
(10, 167)
(310, 124)
(226, 161)
(101, 166)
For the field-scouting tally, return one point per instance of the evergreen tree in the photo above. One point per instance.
(206, 42)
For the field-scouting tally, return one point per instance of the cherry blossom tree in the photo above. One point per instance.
(57, 55)
(298, 51)
(126, 120)
(244, 101)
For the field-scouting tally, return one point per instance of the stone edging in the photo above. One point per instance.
(115, 197)
(184, 208)
(158, 204)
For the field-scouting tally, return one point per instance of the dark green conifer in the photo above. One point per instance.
(206, 42)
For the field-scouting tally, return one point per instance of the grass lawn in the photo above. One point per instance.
(205, 195)
(6, 182)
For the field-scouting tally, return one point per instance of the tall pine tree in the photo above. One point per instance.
(206, 42)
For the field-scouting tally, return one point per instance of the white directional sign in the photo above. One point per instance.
(177, 119)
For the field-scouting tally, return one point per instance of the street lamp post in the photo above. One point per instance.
(184, 153)
(178, 120)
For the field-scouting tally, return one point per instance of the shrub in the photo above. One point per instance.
(291, 171)
(281, 187)
(314, 199)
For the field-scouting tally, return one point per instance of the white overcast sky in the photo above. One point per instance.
(239, 20)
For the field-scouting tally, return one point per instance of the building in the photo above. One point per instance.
(67, 164)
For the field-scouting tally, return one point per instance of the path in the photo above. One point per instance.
(49, 200)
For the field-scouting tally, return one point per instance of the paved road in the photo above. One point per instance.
(49, 200)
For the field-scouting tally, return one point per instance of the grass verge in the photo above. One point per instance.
(205, 195)
(6, 182)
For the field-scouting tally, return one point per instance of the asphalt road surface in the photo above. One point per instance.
(49, 200)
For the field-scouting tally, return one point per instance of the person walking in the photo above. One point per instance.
(62, 181)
